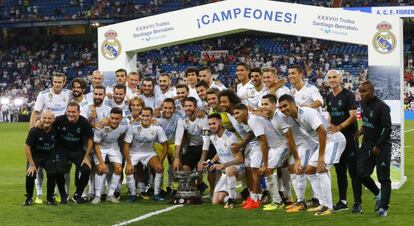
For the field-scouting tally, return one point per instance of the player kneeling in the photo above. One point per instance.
(138, 147)
(225, 160)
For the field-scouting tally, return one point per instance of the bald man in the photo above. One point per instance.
(376, 146)
(341, 106)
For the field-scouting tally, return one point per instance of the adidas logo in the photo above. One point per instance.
(383, 164)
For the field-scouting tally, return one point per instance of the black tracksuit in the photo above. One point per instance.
(377, 132)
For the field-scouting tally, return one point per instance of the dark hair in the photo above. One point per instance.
(165, 74)
(179, 86)
(120, 86)
(190, 70)
(121, 70)
(240, 106)
(192, 99)
(147, 79)
(74, 104)
(287, 97)
(81, 82)
(202, 83)
(147, 109)
(213, 91)
(244, 65)
(297, 67)
(116, 110)
(99, 86)
(169, 100)
(271, 97)
(233, 98)
(256, 69)
(215, 115)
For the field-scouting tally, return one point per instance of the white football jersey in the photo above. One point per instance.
(169, 126)
(306, 95)
(101, 112)
(142, 139)
(47, 100)
(282, 91)
(179, 109)
(123, 105)
(197, 131)
(162, 96)
(242, 91)
(261, 126)
(149, 101)
(223, 146)
(107, 138)
(254, 97)
(299, 135)
(309, 120)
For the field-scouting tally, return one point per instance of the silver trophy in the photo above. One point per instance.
(186, 192)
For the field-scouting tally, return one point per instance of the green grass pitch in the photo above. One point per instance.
(12, 171)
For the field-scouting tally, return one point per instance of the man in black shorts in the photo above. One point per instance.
(341, 106)
(40, 152)
(73, 133)
(376, 146)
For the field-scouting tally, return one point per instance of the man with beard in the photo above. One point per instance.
(204, 74)
(272, 82)
(96, 79)
(258, 90)
(118, 100)
(201, 88)
(120, 78)
(166, 90)
(147, 93)
(242, 74)
(78, 89)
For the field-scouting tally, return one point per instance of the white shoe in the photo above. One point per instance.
(96, 200)
(112, 199)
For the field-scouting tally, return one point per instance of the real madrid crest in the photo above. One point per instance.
(384, 40)
(106, 129)
(139, 129)
(111, 47)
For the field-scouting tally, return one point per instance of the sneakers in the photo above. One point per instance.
(382, 212)
(339, 206)
(251, 204)
(324, 211)
(144, 196)
(158, 198)
(313, 202)
(377, 202)
(357, 208)
(28, 201)
(96, 200)
(132, 198)
(57, 198)
(78, 200)
(112, 199)
(229, 204)
(51, 202)
(38, 200)
(64, 200)
(296, 207)
(272, 206)
(117, 194)
(315, 209)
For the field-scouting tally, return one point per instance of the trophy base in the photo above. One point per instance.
(187, 200)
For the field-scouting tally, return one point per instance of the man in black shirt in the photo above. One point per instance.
(73, 133)
(376, 146)
(341, 106)
(40, 152)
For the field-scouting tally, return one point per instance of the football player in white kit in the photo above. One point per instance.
(56, 100)
(279, 151)
(147, 93)
(78, 88)
(138, 147)
(305, 95)
(106, 145)
(330, 148)
(242, 74)
(258, 90)
(204, 74)
(231, 164)
(119, 99)
(166, 90)
(273, 84)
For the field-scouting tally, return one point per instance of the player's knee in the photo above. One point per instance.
(310, 170)
(230, 171)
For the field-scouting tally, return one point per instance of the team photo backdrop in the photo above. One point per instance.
(383, 35)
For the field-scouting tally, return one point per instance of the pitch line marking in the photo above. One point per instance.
(409, 130)
(145, 216)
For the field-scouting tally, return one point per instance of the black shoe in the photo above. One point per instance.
(357, 208)
(28, 201)
(51, 202)
(117, 194)
(202, 187)
(340, 206)
(245, 193)
(163, 193)
(265, 197)
(64, 200)
(103, 197)
(314, 202)
(78, 199)
(169, 190)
